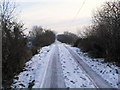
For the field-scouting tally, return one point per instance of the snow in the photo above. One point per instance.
(73, 75)
(34, 69)
(107, 71)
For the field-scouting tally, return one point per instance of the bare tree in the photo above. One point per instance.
(7, 9)
(41, 37)
(107, 22)
(13, 43)
(104, 35)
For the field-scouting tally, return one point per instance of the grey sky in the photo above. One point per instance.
(58, 15)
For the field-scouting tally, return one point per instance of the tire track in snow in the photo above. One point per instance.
(73, 75)
(98, 81)
(53, 75)
(45, 83)
(57, 80)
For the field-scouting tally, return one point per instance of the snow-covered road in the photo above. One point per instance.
(59, 66)
(53, 77)
(99, 82)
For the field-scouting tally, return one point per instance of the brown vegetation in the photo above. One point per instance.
(40, 37)
(15, 48)
(103, 37)
(67, 37)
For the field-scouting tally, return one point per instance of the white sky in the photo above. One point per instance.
(58, 15)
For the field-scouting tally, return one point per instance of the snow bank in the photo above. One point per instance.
(107, 71)
(34, 69)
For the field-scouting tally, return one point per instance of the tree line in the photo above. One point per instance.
(67, 37)
(102, 38)
(18, 48)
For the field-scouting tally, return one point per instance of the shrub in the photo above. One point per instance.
(67, 37)
(103, 37)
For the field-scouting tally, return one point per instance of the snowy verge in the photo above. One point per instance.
(107, 71)
(34, 69)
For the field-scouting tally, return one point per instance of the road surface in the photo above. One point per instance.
(54, 77)
(59, 66)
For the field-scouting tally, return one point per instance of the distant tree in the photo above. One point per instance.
(41, 37)
(74, 36)
(67, 37)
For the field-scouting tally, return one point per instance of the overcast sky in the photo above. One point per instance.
(58, 15)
